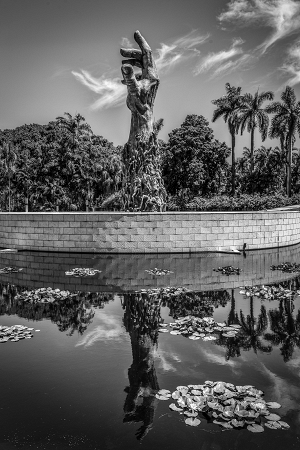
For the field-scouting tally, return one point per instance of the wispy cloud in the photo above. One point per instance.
(125, 42)
(283, 16)
(224, 61)
(109, 329)
(112, 92)
(291, 65)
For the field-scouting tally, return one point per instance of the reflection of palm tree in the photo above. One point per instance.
(232, 317)
(285, 328)
(141, 320)
(253, 328)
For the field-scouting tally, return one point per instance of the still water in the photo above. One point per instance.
(88, 378)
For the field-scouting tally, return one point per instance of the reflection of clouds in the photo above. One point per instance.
(220, 360)
(109, 329)
(294, 365)
(163, 357)
(282, 391)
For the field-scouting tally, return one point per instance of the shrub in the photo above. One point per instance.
(244, 202)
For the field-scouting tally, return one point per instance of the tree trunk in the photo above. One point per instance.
(252, 152)
(233, 163)
(289, 167)
(9, 203)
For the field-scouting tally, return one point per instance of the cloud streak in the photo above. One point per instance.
(111, 92)
(283, 16)
(224, 61)
(291, 65)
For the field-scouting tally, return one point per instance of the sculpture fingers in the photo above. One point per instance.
(149, 67)
(129, 78)
(143, 44)
(131, 53)
(132, 62)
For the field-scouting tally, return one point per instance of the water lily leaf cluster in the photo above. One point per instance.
(158, 272)
(196, 328)
(269, 292)
(10, 270)
(286, 267)
(44, 295)
(228, 270)
(164, 291)
(15, 333)
(82, 272)
(224, 404)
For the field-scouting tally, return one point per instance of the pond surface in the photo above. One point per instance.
(88, 378)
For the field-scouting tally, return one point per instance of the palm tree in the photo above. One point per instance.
(286, 122)
(228, 107)
(9, 159)
(76, 126)
(254, 116)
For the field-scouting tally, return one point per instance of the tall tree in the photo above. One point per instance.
(252, 115)
(228, 107)
(8, 162)
(286, 119)
(194, 162)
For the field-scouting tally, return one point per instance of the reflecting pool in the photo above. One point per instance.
(88, 378)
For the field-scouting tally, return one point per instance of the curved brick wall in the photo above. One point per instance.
(148, 232)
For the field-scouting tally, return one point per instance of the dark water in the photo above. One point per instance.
(87, 379)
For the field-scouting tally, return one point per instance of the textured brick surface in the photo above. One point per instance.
(121, 273)
(144, 232)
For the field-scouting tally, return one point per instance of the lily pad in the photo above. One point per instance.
(193, 422)
(273, 417)
(255, 428)
(273, 405)
(162, 397)
(174, 407)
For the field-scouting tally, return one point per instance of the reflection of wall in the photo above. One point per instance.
(148, 232)
(127, 272)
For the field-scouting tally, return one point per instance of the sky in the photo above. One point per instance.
(64, 56)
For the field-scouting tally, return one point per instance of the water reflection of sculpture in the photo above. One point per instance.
(285, 328)
(73, 313)
(141, 320)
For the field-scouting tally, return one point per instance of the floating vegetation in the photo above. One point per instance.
(269, 292)
(15, 333)
(158, 272)
(82, 272)
(44, 295)
(228, 270)
(10, 270)
(195, 328)
(224, 404)
(286, 267)
(166, 291)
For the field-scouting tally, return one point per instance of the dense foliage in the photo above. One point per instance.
(58, 165)
(63, 166)
(244, 202)
(194, 163)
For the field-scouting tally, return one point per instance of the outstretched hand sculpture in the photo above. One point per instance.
(141, 87)
(143, 188)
